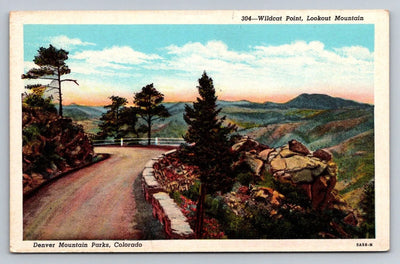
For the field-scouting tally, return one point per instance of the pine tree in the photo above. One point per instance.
(51, 62)
(367, 205)
(149, 107)
(129, 119)
(112, 120)
(211, 150)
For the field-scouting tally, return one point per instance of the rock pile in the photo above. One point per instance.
(51, 145)
(314, 172)
(294, 163)
(250, 151)
(173, 175)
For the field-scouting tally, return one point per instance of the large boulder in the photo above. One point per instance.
(299, 162)
(264, 154)
(278, 164)
(296, 146)
(254, 163)
(302, 176)
(286, 152)
(296, 166)
(314, 174)
(247, 144)
(323, 154)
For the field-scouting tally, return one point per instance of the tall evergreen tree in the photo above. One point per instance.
(51, 62)
(211, 150)
(149, 107)
(129, 119)
(111, 120)
(367, 205)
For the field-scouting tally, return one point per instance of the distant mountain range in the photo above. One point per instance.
(81, 112)
(248, 116)
(303, 101)
(322, 101)
(316, 120)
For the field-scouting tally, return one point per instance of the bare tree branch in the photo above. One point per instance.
(70, 80)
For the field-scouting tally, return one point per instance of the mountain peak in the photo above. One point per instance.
(322, 101)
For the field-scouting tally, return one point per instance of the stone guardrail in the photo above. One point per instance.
(165, 209)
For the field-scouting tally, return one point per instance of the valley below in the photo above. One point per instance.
(345, 128)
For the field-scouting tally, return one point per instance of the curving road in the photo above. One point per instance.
(96, 202)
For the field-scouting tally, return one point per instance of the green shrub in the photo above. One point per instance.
(30, 133)
(194, 191)
(257, 222)
(243, 174)
(176, 196)
(245, 178)
(35, 100)
(292, 194)
(268, 180)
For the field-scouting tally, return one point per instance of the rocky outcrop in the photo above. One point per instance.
(52, 145)
(296, 165)
(247, 144)
(315, 173)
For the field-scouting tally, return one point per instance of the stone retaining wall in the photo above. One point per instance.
(164, 208)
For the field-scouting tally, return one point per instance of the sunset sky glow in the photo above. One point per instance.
(258, 63)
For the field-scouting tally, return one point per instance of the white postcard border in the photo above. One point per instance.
(379, 18)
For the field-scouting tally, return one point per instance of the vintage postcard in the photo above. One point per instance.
(199, 131)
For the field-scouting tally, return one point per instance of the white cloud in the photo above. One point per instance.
(306, 66)
(98, 72)
(212, 50)
(115, 57)
(260, 71)
(289, 50)
(116, 61)
(356, 52)
(65, 42)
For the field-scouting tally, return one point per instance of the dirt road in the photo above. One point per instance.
(96, 202)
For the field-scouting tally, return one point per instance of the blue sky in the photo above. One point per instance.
(252, 62)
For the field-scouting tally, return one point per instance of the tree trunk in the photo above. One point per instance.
(200, 211)
(117, 123)
(60, 111)
(149, 131)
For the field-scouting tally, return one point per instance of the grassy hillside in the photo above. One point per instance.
(266, 123)
(316, 128)
(355, 160)
(87, 116)
(80, 112)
